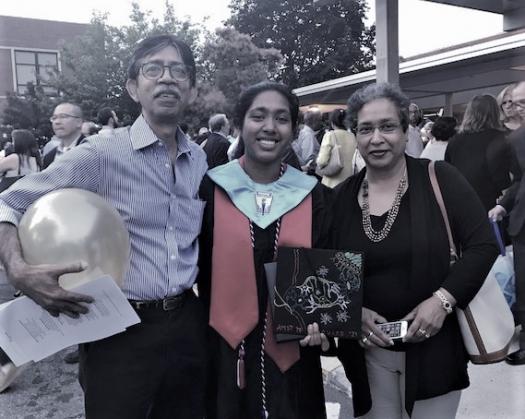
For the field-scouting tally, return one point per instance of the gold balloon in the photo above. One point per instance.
(73, 225)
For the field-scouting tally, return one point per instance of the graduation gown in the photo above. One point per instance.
(297, 393)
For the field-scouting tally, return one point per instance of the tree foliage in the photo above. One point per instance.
(95, 64)
(290, 40)
(229, 63)
(319, 41)
(29, 112)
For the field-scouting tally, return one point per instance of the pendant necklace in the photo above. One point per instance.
(263, 200)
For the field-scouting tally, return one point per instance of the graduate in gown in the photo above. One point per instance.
(254, 205)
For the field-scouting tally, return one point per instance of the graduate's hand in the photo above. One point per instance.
(315, 338)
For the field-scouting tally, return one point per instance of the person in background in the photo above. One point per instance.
(480, 152)
(108, 120)
(217, 144)
(277, 381)
(414, 146)
(347, 146)
(67, 125)
(389, 212)
(25, 158)
(508, 113)
(513, 204)
(23, 161)
(89, 128)
(306, 146)
(442, 130)
(426, 134)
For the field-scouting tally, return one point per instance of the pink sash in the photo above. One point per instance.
(234, 311)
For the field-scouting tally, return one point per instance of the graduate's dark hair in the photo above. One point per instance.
(248, 96)
(154, 44)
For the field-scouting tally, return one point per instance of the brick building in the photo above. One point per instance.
(29, 50)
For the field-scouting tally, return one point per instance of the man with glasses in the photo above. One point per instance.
(513, 202)
(67, 125)
(151, 173)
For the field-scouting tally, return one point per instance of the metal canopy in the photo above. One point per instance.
(483, 66)
(494, 6)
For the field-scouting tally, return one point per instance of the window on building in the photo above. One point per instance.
(35, 67)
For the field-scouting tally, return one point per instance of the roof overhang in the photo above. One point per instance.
(486, 65)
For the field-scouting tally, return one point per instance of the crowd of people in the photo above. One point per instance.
(212, 209)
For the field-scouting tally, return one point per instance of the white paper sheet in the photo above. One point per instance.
(29, 333)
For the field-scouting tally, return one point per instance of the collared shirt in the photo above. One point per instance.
(61, 150)
(306, 146)
(160, 206)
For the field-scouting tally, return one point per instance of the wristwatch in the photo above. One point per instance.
(444, 301)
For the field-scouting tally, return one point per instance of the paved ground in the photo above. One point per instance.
(50, 390)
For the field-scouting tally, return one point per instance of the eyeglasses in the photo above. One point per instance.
(384, 128)
(506, 102)
(153, 71)
(62, 116)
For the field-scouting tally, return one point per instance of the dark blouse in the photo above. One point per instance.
(387, 263)
(418, 240)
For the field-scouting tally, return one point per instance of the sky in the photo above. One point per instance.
(423, 26)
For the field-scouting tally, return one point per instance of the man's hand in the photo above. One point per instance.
(40, 283)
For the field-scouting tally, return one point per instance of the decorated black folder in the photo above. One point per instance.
(317, 285)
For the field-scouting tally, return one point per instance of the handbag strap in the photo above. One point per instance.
(336, 140)
(499, 239)
(19, 164)
(441, 203)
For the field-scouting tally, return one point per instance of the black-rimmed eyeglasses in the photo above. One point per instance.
(154, 70)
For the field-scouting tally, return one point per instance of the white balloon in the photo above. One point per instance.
(73, 225)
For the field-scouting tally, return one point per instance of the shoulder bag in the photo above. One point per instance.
(487, 324)
(335, 164)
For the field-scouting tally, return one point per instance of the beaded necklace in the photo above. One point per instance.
(374, 235)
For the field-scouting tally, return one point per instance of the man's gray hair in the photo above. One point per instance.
(378, 91)
(217, 121)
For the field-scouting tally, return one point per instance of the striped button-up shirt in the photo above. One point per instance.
(160, 206)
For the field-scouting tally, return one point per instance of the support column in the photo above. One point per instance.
(448, 111)
(387, 41)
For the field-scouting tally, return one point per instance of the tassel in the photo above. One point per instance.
(241, 373)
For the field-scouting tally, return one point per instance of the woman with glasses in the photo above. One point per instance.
(389, 212)
(253, 205)
(480, 150)
(508, 114)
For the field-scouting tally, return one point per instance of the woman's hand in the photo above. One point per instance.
(497, 213)
(315, 338)
(373, 335)
(427, 319)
